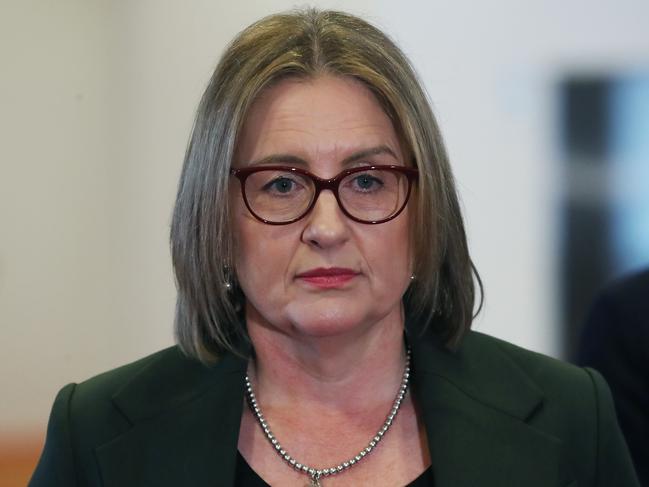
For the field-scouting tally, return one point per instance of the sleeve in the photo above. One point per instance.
(613, 463)
(56, 465)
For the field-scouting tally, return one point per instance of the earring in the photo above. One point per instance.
(412, 277)
(227, 285)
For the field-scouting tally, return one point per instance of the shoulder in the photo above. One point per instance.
(128, 402)
(148, 386)
(546, 372)
(84, 415)
(514, 380)
(575, 406)
(616, 330)
(96, 395)
(572, 402)
(528, 395)
(106, 384)
(626, 297)
(111, 402)
(93, 407)
(634, 286)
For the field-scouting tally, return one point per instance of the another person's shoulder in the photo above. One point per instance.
(627, 296)
(616, 330)
(631, 284)
(614, 340)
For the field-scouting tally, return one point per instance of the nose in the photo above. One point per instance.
(326, 225)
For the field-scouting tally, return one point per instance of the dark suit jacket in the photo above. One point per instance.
(615, 341)
(495, 414)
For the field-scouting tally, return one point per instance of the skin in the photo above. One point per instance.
(328, 362)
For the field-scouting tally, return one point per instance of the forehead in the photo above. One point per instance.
(322, 119)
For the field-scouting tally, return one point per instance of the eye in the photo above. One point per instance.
(281, 185)
(366, 183)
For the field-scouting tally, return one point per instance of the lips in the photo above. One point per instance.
(328, 277)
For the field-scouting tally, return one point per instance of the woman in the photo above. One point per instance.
(325, 295)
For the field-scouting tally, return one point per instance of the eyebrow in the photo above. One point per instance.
(298, 161)
(373, 151)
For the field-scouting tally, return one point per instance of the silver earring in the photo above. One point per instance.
(227, 285)
(412, 277)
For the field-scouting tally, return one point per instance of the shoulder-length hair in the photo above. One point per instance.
(303, 44)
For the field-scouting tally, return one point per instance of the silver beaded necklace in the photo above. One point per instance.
(316, 474)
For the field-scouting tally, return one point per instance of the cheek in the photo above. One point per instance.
(399, 238)
(388, 255)
(261, 257)
(397, 260)
(246, 252)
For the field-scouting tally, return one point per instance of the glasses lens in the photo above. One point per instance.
(373, 195)
(278, 196)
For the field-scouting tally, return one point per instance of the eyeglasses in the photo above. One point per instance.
(279, 195)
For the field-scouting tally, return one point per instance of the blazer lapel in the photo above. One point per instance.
(185, 427)
(475, 407)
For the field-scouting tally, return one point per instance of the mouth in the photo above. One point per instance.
(329, 277)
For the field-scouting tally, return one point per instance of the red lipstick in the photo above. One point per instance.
(329, 277)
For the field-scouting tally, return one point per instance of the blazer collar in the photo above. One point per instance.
(475, 403)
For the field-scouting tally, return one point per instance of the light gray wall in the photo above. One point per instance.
(97, 100)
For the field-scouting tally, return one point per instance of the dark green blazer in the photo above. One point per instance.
(495, 414)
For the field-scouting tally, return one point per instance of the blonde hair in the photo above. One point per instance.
(303, 44)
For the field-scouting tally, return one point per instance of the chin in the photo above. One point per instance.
(325, 328)
(330, 321)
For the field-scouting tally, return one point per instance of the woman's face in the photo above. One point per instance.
(325, 274)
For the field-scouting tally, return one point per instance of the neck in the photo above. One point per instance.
(346, 371)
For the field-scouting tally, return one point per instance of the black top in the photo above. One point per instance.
(245, 476)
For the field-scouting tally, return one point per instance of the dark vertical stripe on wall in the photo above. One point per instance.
(585, 248)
